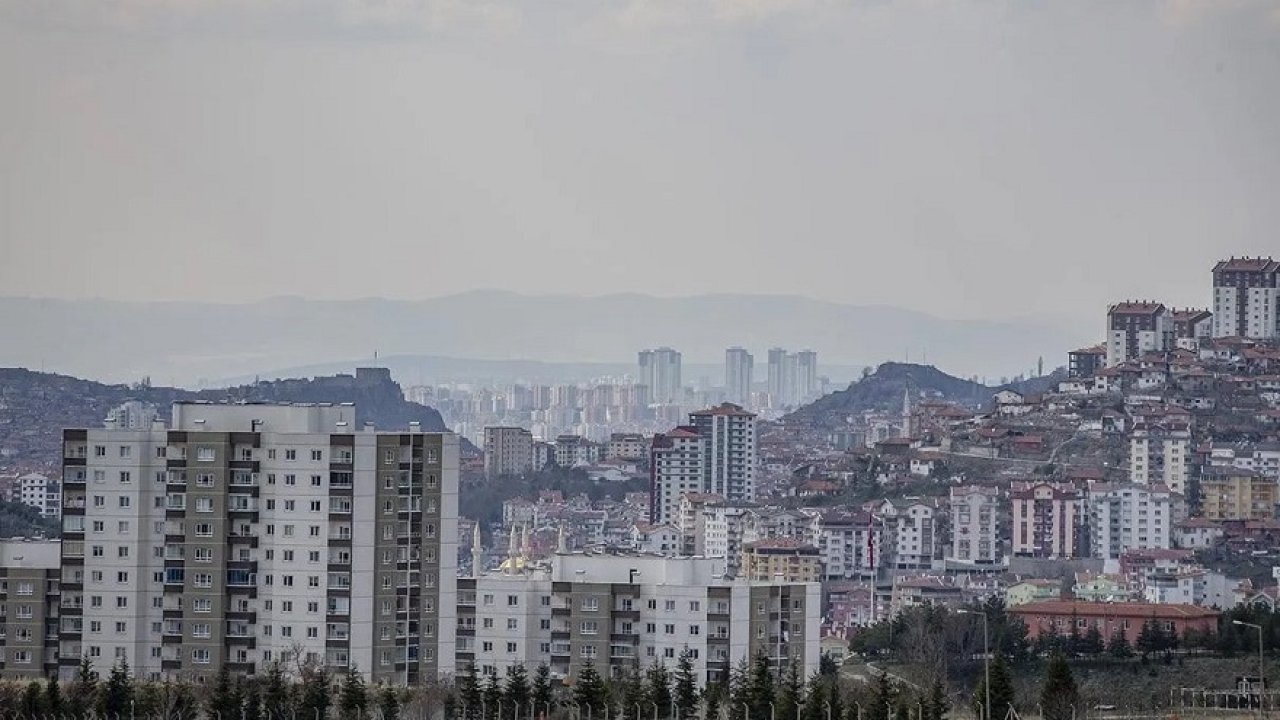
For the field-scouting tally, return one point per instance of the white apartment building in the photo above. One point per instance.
(132, 415)
(1126, 517)
(251, 533)
(1160, 453)
(738, 370)
(507, 451)
(1048, 520)
(1134, 328)
(628, 612)
(1262, 457)
(1246, 298)
(38, 492)
(714, 454)
(660, 371)
(849, 544)
(973, 525)
(911, 533)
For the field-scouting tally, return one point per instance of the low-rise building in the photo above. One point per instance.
(1033, 590)
(1057, 616)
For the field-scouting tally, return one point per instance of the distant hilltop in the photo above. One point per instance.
(36, 406)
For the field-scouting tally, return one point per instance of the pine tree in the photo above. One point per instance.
(739, 689)
(936, 705)
(517, 692)
(791, 693)
(469, 692)
(590, 690)
(1001, 691)
(33, 699)
(53, 697)
(389, 703)
(493, 697)
(1073, 643)
(1092, 643)
(1118, 647)
(686, 686)
(542, 687)
(354, 697)
(84, 692)
(632, 691)
(1149, 638)
(276, 703)
(883, 699)
(657, 682)
(760, 692)
(222, 703)
(117, 693)
(1059, 695)
(251, 696)
(712, 697)
(314, 699)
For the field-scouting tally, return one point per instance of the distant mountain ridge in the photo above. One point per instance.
(181, 343)
(35, 406)
(883, 390)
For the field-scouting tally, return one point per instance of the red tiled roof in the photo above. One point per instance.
(1084, 608)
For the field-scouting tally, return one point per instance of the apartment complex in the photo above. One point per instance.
(507, 451)
(782, 559)
(43, 495)
(251, 533)
(1125, 517)
(660, 371)
(973, 524)
(1134, 328)
(627, 612)
(912, 530)
(792, 378)
(1049, 520)
(715, 453)
(1246, 298)
(29, 587)
(1160, 453)
(738, 367)
(1233, 493)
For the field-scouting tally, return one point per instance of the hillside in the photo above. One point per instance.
(35, 406)
(883, 390)
(118, 341)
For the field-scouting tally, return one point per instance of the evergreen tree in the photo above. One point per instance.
(493, 697)
(389, 703)
(1059, 695)
(739, 689)
(251, 696)
(1148, 638)
(33, 699)
(314, 695)
(222, 703)
(1001, 691)
(276, 703)
(1091, 643)
(686, 686)
(632, 691)
(1118, 647)
(884, 699)
(117, 693)
(760, 686)
(542, 687)
(353, 699)
(84, 692)
(827, 665)
(589, 691)
(469, 692)
(657, 683)
(791, 693)
(53, 697)
(712, 698)
(1073, 645)
(936, 705)
(517, 692)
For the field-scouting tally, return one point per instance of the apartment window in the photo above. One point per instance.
(286, 631)
(544, 624)
(315, 481)
(201, 605)
(287, 580)
(315, 506)
(99, 501)
(125, 477)
(313, 556)
(317, 455)
(694, 630)
(290, 455)
(487, 623)
(203, 554)
(590, 604)
(314, 531)
(200, 656)
(95, 626)
(512, 624)
(99, 450)
(122, 577)
(122, 551)
(486, 646)
(95, 601)
(98, 526)
(204, 530)
(122, 526)
(589, 627)
(200, 630)
(313, 606)
(313, 633)
(669, 629)
(513, 600)
(122, 601)
(205, 454)
(511, 647)
(695, 606)
(203, 580)
(204, 504)
(389, 457)
(288, 531)
(99, 476)
(313, 581)
(288, 556)
(653, 604)
(668, 652)
(669, 605)
(290, 479)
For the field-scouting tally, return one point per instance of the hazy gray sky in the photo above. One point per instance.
(989, 158)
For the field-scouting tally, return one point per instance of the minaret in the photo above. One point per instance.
(512, 548)
(524, 541)
(477, 552)
(562, 542)
(906, 411)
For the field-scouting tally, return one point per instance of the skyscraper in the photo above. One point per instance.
(737, 375)
(714, 453)
(246, 534)
(660, 370)
(806, 376)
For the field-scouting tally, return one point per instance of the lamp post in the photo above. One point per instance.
(1262, 682)
(986, 656)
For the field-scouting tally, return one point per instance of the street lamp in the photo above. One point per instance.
(986, 655)
(1262, 683)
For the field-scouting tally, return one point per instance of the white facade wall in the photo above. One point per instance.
(1131, 517)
